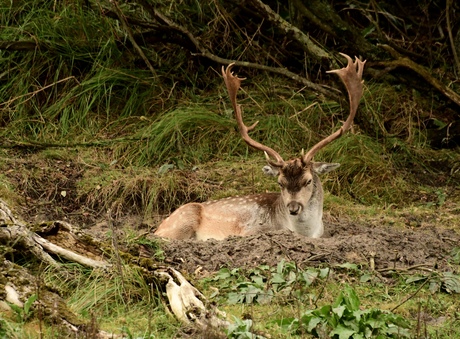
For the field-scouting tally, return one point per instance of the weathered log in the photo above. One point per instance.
(58, 239)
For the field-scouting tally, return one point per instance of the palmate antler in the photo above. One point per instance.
(351, 76)
(233, 83)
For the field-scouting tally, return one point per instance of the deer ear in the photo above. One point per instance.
(324, 167)
(270, 170)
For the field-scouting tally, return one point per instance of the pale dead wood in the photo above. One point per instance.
(187, 303)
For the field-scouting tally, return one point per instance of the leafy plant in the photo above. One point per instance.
(446, 281)
(242, 329)
(455, 253)
(24, 313)
(345, 319)
(265, 283)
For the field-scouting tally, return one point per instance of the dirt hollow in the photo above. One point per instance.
(41, 183)
(345, 242)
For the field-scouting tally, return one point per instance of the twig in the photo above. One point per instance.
(313, 49)
(451, 38)
(422, 267)
(67, 254)
(411, 296)
(420, 70)
(277, 70)
(124, 23)
(116, 250)
(37, 144)
(322, 288)
(32, 94)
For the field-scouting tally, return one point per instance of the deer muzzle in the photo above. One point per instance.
(294, 207)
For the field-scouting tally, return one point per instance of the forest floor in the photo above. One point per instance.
(415, 239)
(422, 236)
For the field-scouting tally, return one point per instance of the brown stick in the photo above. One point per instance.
(420, 70)
(139, 50)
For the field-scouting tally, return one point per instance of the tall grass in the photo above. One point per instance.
(84, 85)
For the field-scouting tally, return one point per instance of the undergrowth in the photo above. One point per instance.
(83, 89)
(315, 301)
(283, 301)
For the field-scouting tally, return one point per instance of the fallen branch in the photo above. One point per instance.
(420, 70)
(314, 51)
(202, 51)
(126, 27)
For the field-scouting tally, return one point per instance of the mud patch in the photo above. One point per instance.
(386, 246)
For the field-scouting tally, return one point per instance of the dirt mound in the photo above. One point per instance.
(346, 242)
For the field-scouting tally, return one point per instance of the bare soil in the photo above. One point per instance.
(386, 246)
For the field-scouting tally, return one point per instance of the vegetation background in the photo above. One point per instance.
(127, 100)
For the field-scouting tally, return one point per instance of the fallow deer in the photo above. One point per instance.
(299, 206)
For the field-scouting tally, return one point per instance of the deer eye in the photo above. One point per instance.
(280, 184)
(308, 182)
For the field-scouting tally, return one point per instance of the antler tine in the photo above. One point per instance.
(233, 83)
(351, 76)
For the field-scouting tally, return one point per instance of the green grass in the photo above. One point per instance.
(146, 145)
(126, 304)
(436, 313)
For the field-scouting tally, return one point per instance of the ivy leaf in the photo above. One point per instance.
(234, 298)
(415, 278)
(339, 310)
(348, 266)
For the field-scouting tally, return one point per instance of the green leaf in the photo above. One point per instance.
(398, 331)
(352, 299)
(324, 272)
(29, 303)
(366, 278)
(16, 308)
(265, 297)
(278, 278)
(313, 323)
(280, 266)
(455, 253)
(339, 310)
(375, 323)
(434, 286)
(287, 323)
(323, 312)
(223, 274)
(450, 282)
(342, 331)
(415, 278)
(234, 298)
(310, 276)
(258, 280)
(251, 294)
(338, 301)
(165, 168)
(348, 266)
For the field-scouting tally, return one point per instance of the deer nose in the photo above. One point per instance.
(294, 207)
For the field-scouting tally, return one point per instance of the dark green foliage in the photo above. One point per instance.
(345, 319)
(264, 283)
(70, 76)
